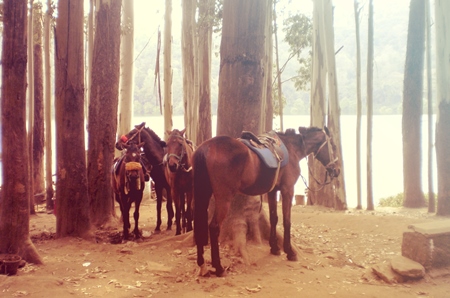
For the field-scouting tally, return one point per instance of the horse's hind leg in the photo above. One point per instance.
(188, 213)
(158, 191)
(220, 211)
(126, 218)
(273, 216)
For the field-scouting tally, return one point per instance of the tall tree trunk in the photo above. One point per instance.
(127, 67)
(412, 107)
(442, 18)
(358, 107)
(190, 69)
(335, 192)
(267, 110)
(241, 88)
(370, 205)
(72, 202)
(38, 127)
(318, 100)
(93, 5)
(48, 110)
(431, 198)
(30, 129)
(277, 59)
(168, 122)
(14, 202)
(205, 23)
(103, 110)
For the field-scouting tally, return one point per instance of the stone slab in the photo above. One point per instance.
(440, 227)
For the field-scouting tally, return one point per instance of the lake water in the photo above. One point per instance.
(387, 161)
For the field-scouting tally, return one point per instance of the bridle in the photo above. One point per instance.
(327, 143)
(179, 158)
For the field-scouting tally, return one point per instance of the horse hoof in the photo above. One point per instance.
(222, 273)
(203, 271)
(275, 252)
(292, 257)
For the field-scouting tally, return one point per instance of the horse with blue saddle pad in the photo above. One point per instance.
(224, 166)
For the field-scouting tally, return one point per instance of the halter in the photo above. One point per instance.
(125, 139)
(332, 161)
(180, 157)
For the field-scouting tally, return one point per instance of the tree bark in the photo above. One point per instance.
(127, 66)
(14, 200)
(72, 202)
(30, 100)
(38, 127)
(412, 107)
(103, 105)
(442, 18)
(205, 24)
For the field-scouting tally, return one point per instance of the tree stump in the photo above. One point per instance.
(428, 244)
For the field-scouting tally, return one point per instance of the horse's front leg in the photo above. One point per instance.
(176, 195)
(137, 204)
(273, 217)
(286, 200)
(158, 191)
(169, 208)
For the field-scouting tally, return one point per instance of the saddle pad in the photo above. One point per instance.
(267, 156)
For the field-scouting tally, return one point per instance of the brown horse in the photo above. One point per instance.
(154, 154)
(224, 166)
(128, 185)
(178, 170)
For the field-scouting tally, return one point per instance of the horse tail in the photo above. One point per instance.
(202, 194)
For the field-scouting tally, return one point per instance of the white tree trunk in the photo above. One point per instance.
(126, 67)
(168, 123)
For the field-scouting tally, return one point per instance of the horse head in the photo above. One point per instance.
(320, 143)
(176, 156)
(132, 160)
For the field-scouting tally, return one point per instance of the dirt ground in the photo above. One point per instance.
(338, 250)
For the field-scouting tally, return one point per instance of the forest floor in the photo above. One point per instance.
(338, 250)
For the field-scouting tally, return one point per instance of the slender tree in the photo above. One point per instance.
(412, 107)
(277, 59)
(126, 66)
(72, 202)
(48, 110)
(357, 11)
(168, 123)
(336, 193)
(38, 127)
(442, 19)
(205, 25)
(30, 128)
(103, 105)
(14, 202)
(370, 205)
(190, 68)
(431, 198)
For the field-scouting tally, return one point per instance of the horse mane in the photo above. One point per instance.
(152, 134)
(307, 130)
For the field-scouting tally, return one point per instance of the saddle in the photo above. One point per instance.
(269, 147)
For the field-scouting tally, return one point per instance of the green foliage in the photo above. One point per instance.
(397, 200)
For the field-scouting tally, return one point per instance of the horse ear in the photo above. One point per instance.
(139, 126)
(326, 130)
(301, 129)
(183, 131)
(163, 144)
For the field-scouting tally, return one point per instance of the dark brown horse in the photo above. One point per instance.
(178, 170)
(154, 154)
(128, 185)
(224, 166)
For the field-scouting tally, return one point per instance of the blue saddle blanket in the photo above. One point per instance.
(266, 154)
